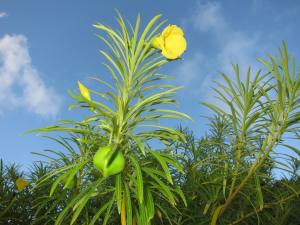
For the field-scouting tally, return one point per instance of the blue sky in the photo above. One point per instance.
(49, 45)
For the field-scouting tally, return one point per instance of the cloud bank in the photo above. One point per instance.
(21, 85)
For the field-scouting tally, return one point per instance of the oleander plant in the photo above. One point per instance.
(120, 164)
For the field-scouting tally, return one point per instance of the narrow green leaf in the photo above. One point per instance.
(139, 180)
(118, 192)
(163, 164)
(128, 205)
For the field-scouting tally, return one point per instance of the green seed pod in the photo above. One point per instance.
(101, 160)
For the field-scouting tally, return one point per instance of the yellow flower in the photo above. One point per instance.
(84, 91)
(157, 42)
(171, 42)
(21, 184)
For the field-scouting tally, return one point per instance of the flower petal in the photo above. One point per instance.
(174, 46)
(172, 30)
(157, 42)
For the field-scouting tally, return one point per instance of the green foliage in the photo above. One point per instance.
(126, 116)
(235, 170)
(224, 177)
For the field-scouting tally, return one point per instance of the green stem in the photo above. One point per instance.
(237, 167)
(258, 163)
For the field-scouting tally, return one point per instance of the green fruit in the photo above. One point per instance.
(101, 159)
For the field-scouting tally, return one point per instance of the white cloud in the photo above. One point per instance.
(233, 46)
(3, 14)
(241, 49)
(20, 83)
(229, 46)
(208, 17)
